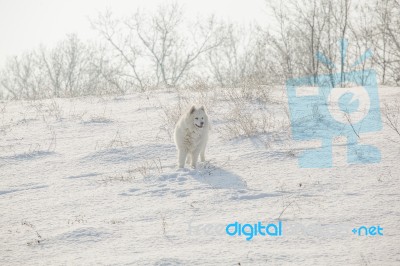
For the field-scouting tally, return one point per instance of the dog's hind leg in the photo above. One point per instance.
(182, 156)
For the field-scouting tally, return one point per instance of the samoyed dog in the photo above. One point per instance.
(191, 135)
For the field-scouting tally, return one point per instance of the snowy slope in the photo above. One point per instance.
(93, 181)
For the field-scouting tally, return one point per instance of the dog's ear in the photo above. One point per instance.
(192, 109)
(201, 108)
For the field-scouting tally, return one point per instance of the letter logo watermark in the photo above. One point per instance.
(326, 106)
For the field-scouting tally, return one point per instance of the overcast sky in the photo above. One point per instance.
(24, 24)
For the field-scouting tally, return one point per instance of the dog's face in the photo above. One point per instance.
(198, 116)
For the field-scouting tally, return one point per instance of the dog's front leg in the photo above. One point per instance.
(182, 157)
(195, 157)
(189, 158)
(202, 155)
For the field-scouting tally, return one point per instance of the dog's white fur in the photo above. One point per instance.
(191, 135)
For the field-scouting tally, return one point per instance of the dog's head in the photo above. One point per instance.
(198, 116)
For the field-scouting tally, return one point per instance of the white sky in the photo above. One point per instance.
(25, 24)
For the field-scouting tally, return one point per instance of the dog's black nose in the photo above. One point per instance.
(201, 123)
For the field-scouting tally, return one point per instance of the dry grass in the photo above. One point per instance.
(248, 114)
(391, 115)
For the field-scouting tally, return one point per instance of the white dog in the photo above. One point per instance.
(191, 135)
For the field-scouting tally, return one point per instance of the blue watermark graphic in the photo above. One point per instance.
(327, 106)
(251, 230)
(368, 231)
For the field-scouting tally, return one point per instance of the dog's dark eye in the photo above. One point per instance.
(197, 118)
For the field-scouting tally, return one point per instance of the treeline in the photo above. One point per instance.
(165, 49)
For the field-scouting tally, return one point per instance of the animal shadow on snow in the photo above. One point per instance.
(180, 183)
(218, 177)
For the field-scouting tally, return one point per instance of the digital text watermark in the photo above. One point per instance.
(287, 229)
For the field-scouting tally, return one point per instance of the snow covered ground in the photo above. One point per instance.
(93, 180)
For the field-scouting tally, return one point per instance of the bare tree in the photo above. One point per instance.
(124, 46)
(381, 37)
(159, 48)
(283, 40)
(52, 62)
(21, 77)
(388, 40)
(171, 51)
(362, 33)
(310, 23)
(342, 20)
(232, 62)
